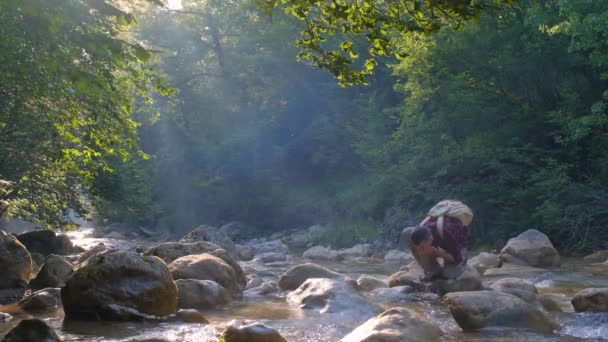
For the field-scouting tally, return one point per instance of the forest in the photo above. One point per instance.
(286, 114)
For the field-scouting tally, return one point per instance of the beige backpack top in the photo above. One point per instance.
(451, 208)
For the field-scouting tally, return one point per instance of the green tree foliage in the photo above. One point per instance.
(68, 81)
(377, 21)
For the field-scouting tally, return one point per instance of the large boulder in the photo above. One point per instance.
(321, 253)
(47, 242)
(107, 286)
(518, 287)
(469, 280)
(599, 256)
(295, 276)
(213, 235)
(169, 251)
(95, 250)
(37, 261)
(30, 330)
(15, 262)
(591, 300)
(483, 261)
(530, 248)
(41, 300)
(369, 283)
(209, 267)
(398, 257)
(254, 332)
(474, 310)
(395, 325)
(332, 296)
(54, 273)
(200, 294)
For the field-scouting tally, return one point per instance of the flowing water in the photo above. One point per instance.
(305, 326)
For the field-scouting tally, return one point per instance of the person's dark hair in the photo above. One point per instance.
(420, 234)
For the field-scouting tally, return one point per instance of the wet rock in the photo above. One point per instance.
(599, 256)
(30, 330)
(398, 257)
(511, 270)
(245, 253)
(15, 262)
(368, 283)
(4, 317)
(321, 253)
(253, 281)
(190, 316)
(395, 294)
(518, 287)
(255, 332)
(54, 273)
(474, 310)
(530, 248)
(332, 296)
(108, 286)
(272, 246)
(264, 289)
(357, 251)
(200, 294)
(47, 242)
(37, 261)
(270, 257)
(169, 251)
(595, 300)
(41, 300)
(395, 325)
(97, 249)
(295, 276)
(211, 234)
(483, 261)
(209, 267)
(469, 280)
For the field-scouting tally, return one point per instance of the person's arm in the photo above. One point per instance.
(439, 252)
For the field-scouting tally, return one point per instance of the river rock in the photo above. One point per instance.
(475, 310)
(15, 262)
(357, 251)
(106, 286)
(332, 296)
(295, 276)
(263, 289)
(395, 325)
(518, 287)
(321, 253)
(200, 294)
(298, 239)
(272, 246)
(209, 267)
(398, 294)
(169, 251)
(47, 242)
(97, 249)
(469, 280)
(237, 231)
(397, 257)
(270, 257)
(41, 300)
(368, 283)
(30, 330)
(245, 253)
(530, 248)
(511, 270)
(253, 280)
(254, 332)
(54, 273)
(213, 235)
(483, 261)
(190, 316)
(409, 275)
(591, 300)
(599, 256)
(37, 261)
